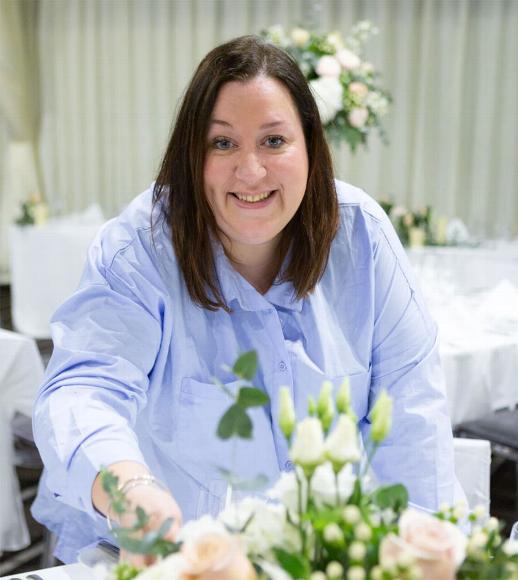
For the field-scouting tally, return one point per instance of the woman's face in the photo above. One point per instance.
(256, 167)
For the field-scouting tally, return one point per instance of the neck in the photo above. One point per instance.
(257, 264)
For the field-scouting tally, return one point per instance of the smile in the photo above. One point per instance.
(253, 198)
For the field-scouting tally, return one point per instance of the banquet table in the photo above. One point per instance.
(21, 373)
(46, 266)
(473, 295)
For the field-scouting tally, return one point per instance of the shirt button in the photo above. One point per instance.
(283, 366)
(288, 465)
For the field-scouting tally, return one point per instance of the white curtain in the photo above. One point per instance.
(112, 71)
(19, 176)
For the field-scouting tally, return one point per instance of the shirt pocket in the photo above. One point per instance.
(202, 454)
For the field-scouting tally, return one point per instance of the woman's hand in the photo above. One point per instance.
(156, 501)
(159, 505)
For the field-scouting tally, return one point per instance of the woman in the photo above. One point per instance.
(244, 242)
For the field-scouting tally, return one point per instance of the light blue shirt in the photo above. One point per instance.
(131, 373)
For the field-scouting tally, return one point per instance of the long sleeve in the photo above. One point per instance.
(405, 361)
(105, 344)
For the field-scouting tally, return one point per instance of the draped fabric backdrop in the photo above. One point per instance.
(111, 73)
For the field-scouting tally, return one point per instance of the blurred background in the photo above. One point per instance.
(88, 94)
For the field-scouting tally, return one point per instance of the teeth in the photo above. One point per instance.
(252, 198)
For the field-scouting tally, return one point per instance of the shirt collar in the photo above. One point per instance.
(235, 288)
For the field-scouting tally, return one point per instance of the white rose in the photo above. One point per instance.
(308, 447)
(357, 117)
(299, 36)
(328, 66)
(341, 446)
(328, 93)
(323, 484)
(347, 59)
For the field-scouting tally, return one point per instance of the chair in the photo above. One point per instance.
(472, 468)
(500, 428)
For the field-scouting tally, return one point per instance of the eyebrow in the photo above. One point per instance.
(264, 126)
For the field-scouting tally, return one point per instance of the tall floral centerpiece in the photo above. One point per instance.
(347, 88)
(324, 520)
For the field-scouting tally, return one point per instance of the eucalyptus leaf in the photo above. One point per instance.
(245, 366)
(296, 565)
(228, 424)
(252, 397)
(394, 497)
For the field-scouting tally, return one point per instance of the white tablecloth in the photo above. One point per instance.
(468, 269)
(473, 295)
(46, 266)
(21, 373)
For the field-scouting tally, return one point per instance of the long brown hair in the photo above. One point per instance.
(180, 184)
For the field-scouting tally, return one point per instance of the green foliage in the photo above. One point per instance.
(126, 572)
(252, 397)
(245, 366)
(394, 497)
(235, 423)
(296, 565)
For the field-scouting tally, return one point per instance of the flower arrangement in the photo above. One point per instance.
(34, 211)
(414, 228)
(324, 520)
(346, 87)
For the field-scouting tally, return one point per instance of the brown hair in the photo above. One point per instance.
(180, 181)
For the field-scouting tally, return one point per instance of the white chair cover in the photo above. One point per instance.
(472, 467)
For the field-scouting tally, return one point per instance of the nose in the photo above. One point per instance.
(250, 168)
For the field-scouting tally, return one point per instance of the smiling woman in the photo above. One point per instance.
(255, 180)
(244, 242)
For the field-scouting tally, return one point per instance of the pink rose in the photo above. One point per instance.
(215, 556)
(328, 66)
(358, 89)
(357, 117)
(438, 548)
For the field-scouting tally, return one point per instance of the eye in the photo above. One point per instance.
(274, 141)
(222, 143)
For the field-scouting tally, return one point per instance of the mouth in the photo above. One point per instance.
(252, 199)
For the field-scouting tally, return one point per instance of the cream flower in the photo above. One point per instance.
(328, 66)
(341, 445)
(347, 59)
(438, 547)
(323, 484)
(216, 557)
(381, 417)
(358, 116)
(308, 448)
(299, 36)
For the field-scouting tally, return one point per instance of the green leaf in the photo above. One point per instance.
(245, 366)
(252, 397)
(391, 496)
(296, 565)
(125, 571)
(235, 422)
